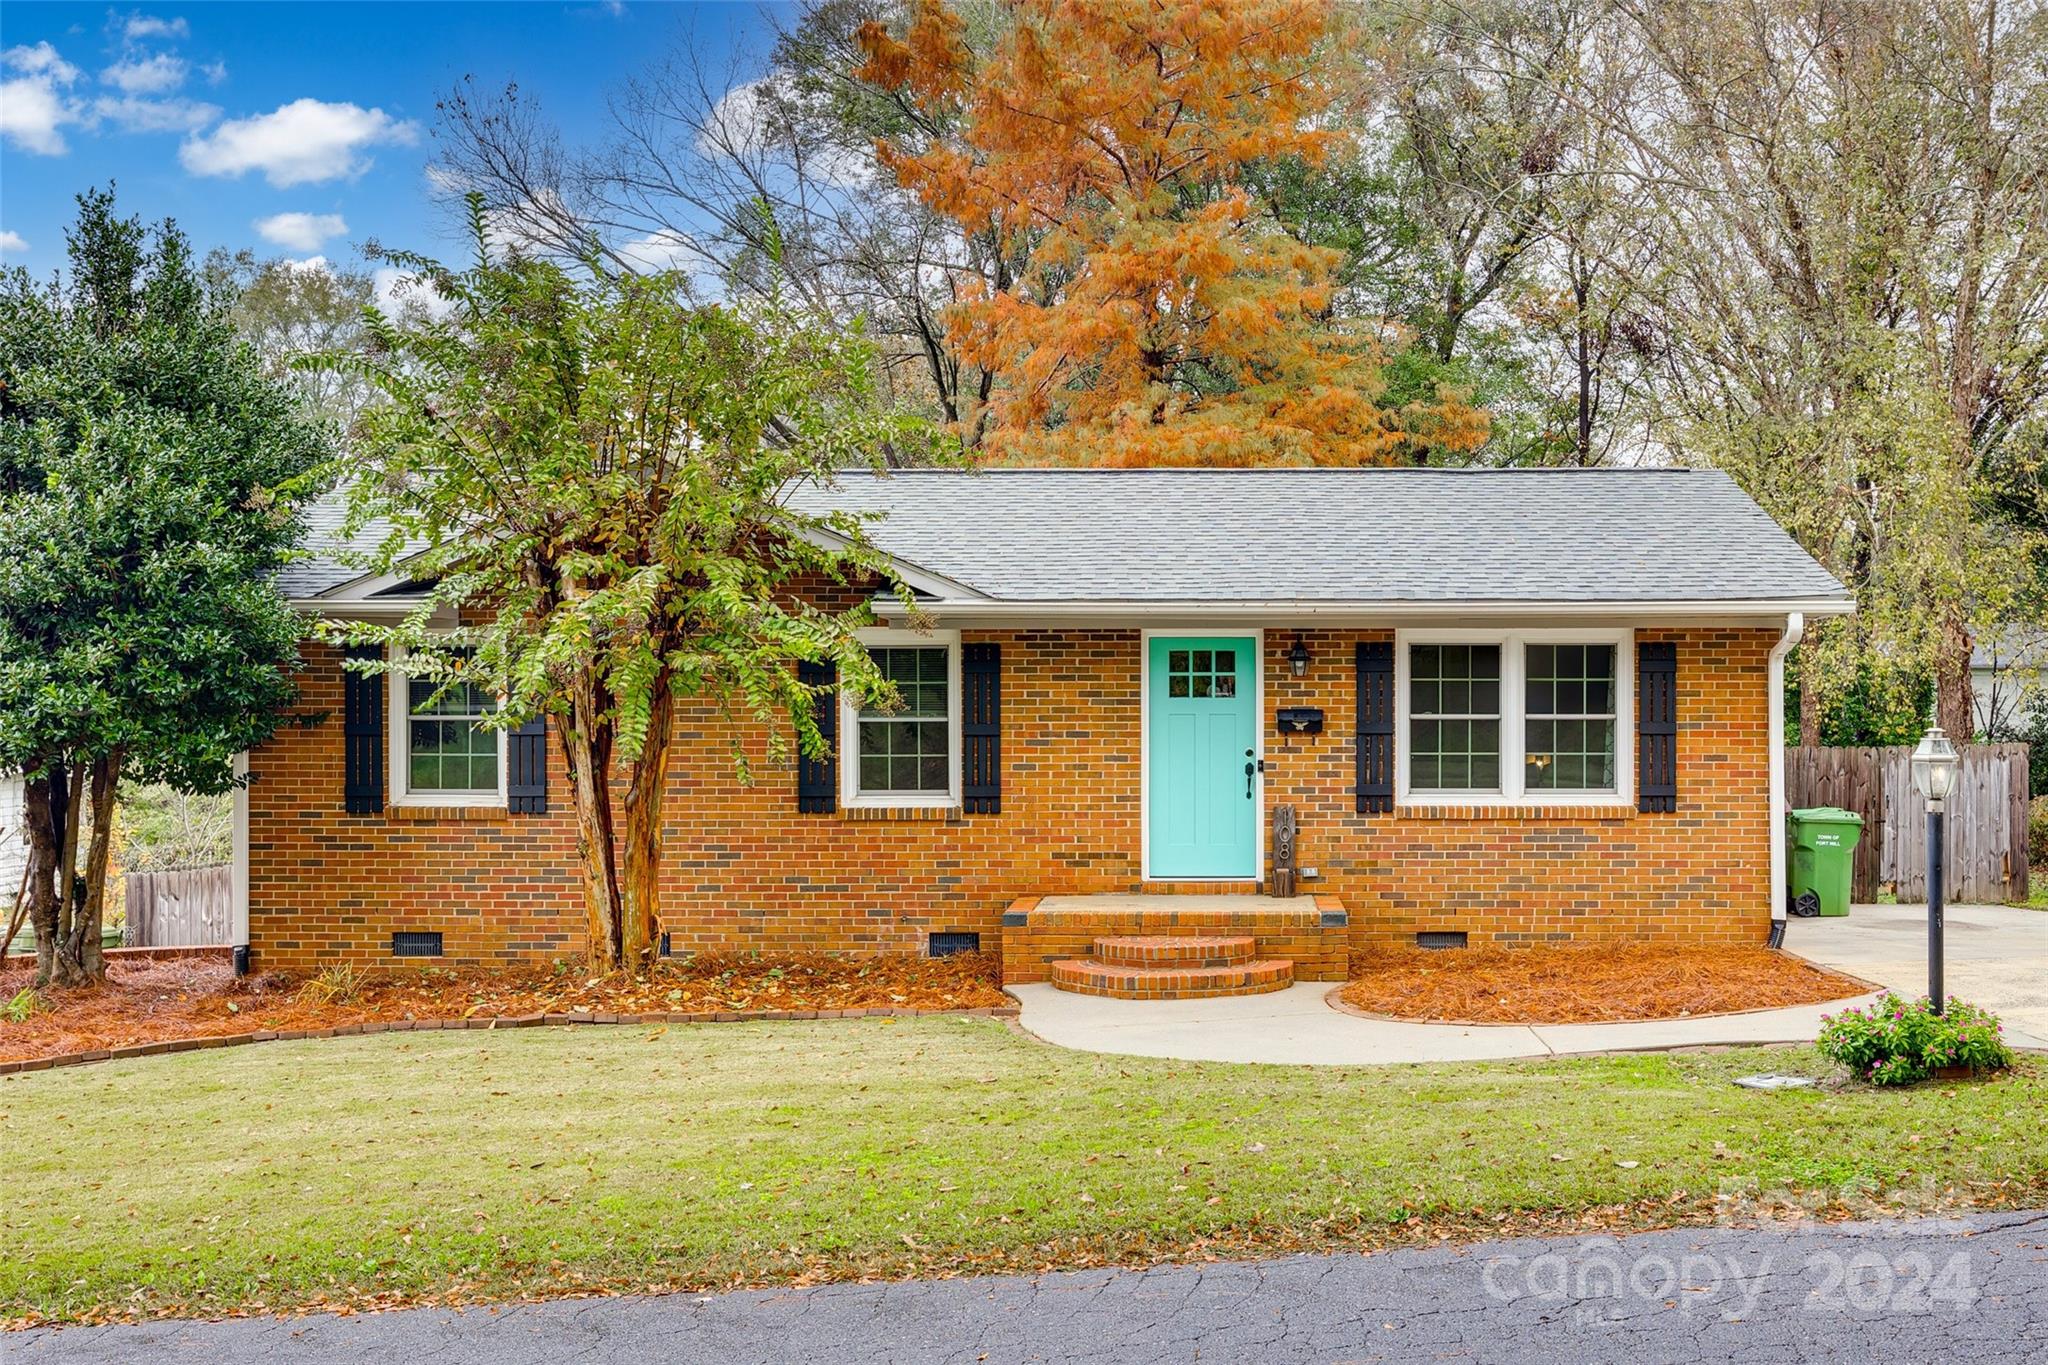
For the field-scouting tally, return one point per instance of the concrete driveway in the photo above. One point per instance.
(1995, 956)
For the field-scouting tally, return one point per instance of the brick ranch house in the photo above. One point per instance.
(1501, 706)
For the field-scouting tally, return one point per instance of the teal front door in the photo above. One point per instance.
(1201, 737)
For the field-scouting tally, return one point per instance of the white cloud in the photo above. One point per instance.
(441, 180)
(301, 231)
(531, 225)
(33, 105)
(147, 75)
(738, 123)
(398, 290)
(41, 60)
(141, 26)
(137, 115)
(312, 265)
(301, 143)
(12, 241)
(663, 249)
(215, 72)
(743, 124)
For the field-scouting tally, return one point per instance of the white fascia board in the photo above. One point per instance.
(384, 611)
(971, 612)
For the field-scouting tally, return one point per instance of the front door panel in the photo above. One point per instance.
(1202, 735)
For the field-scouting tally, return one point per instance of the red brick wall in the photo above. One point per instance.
(744, 869)
(1697, 874)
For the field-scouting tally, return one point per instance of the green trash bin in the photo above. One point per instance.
(1823, 869)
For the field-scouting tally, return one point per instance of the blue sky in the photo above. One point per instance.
(294, 129)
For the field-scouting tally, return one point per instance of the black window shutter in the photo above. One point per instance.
(526, 781)
(362, 734)
(1375, 727)
(981, 717)
(817, 779)
(1657, 726)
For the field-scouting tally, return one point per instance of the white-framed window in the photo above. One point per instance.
(443, 751)
(909, 756)
(1527, 716)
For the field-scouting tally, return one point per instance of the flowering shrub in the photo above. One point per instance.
(1896, 1042)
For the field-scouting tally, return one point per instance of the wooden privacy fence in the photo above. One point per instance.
(189, 908)
(1986, 852)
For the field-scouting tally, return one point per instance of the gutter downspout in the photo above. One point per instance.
(1795, 630)
(238, 937)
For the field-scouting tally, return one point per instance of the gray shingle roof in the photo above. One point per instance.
(321, 566)
(1299, 535)
(1336, 535)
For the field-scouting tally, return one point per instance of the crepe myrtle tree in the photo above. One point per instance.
(594, 476)
(150, 476)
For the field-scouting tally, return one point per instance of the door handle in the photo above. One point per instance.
(1248, 781)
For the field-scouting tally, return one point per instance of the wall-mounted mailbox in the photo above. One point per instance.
(1301, 720)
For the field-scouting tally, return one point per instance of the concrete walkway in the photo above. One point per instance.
(1299, 1025)
(1965, 1289)
(1995, 956)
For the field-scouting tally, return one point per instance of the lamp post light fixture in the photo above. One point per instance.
(1298, 656)
(1935, 764)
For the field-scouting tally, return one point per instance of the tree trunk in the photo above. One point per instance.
(79, 960)
(1809, 691)
(587, 745)
(1955, 701)
(67, 902)
(640, 930)
(43, 807)
(64, 968)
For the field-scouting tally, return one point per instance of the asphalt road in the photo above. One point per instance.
(1972, 1289)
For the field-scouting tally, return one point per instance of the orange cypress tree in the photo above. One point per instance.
(1163, 315)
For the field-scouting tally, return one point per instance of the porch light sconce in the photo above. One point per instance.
(1298, 656)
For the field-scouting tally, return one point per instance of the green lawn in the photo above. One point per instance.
(527, 1161)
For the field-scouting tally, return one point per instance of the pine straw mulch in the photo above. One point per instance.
(1584, 984)
(147, 1002)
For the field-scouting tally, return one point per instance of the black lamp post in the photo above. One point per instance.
(1935, 762)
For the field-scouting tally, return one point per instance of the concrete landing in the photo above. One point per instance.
(1298, 1026)
(1110, 903)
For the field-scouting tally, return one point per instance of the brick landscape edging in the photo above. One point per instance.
(107, 1054)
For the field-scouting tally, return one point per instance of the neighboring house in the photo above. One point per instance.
(13, 843)
(1520, 706)
(2009, 680)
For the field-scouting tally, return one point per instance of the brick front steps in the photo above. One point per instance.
(1172, 967)
(1311, 932)
(1176, 950)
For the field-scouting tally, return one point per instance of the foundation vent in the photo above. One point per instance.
(945, 945)
(411, 944)
(1440, 938)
